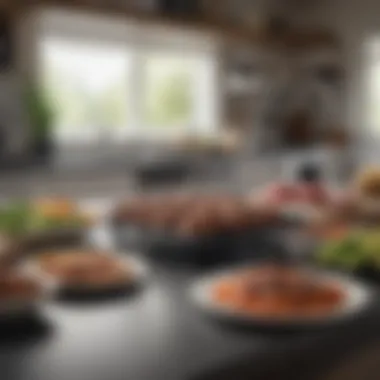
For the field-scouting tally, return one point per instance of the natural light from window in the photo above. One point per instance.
(89, 88)
(112, 92)
(373, 88)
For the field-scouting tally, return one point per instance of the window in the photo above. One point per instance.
(89, 88)
(111, 89)
(168, 93)
(177, 92)
(373, 88)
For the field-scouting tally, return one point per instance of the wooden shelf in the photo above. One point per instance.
(153, 18)
(302, 39)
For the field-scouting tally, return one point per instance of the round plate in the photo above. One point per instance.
(130, 262)
(357, 298)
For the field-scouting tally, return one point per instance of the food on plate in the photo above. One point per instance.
(9, 251)
(358, 248)
(84, 268)
(277, 291)
(17, 286)
(367, 197)
(368, 183)
(282, 193)
(14, 218)
(57, 213)
(310, 193)
(190, 214)
(22, 218)
(315, 194)
(352, 207)
(214, 216)
(344, 206)
(199, 221)
(55, 207)
(329, 230)
(308, 188)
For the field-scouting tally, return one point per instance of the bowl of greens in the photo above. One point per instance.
(357, 251)
(37, 222)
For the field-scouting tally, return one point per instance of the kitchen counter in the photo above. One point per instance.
(157, 333)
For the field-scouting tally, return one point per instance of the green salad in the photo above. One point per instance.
(360, 248)
(18, 219)
(14, 218)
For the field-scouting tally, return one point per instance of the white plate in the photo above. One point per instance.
(357, 298)
(129, 261)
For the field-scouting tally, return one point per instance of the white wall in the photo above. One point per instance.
(354, 21)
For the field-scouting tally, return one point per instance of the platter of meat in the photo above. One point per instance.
(202, 229)
(87, 270)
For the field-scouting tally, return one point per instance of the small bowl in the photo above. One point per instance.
(20, 307)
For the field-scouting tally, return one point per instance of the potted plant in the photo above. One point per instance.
(41, 115)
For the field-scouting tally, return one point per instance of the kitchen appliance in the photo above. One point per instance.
(188, 8)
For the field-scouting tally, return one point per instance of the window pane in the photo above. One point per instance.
(168, 93)
(374, 114)
(88, 85)
(373, 89)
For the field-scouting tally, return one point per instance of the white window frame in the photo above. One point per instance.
(143, 41)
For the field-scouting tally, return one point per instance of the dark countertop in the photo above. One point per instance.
(157, 334)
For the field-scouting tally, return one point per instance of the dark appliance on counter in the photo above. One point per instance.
(180, 8)
(310, 173)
